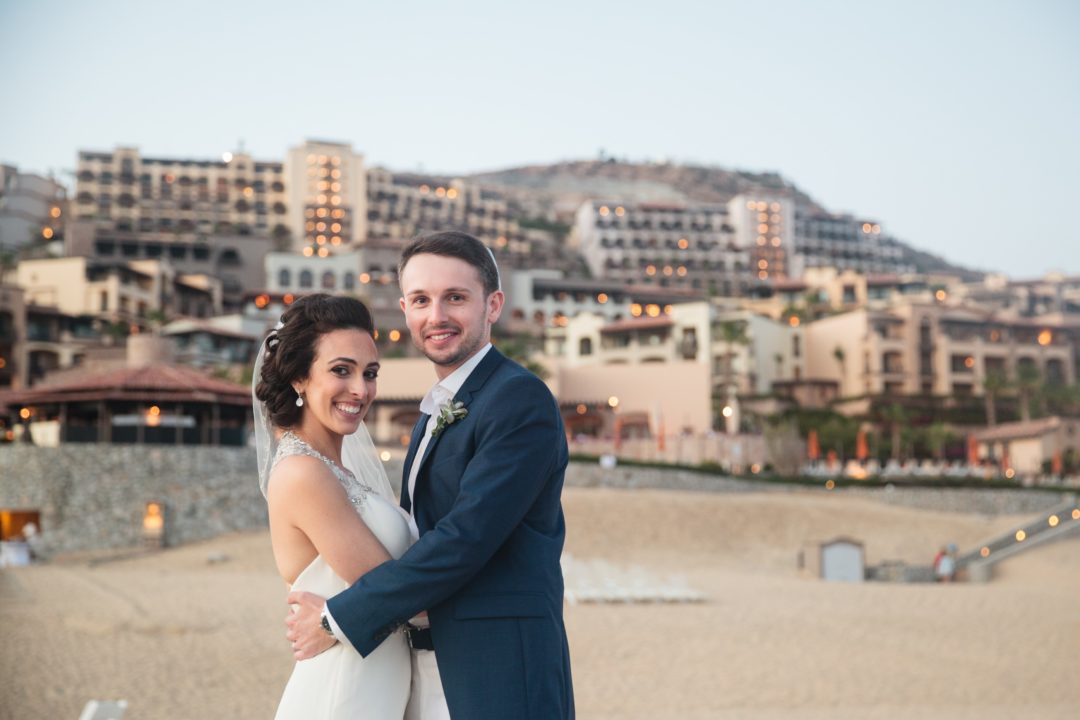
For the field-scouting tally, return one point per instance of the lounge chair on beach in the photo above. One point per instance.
(104, 710)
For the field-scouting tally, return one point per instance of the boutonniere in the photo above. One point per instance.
(449, 414)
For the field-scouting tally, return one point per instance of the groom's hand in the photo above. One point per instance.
(304, 625)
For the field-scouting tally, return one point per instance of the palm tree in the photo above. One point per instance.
(993, 384)
(1028, 381)
(841, 358)
(937, 435)
(732, 333)
(896, 417)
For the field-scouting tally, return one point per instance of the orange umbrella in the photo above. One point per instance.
(972, 450)
(861, 450)
(1056, 464)
(813, 450)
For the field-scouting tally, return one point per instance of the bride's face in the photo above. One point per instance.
(340, 385)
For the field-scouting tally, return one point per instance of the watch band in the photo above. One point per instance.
(325, 622)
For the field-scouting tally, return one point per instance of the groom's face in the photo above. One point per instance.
(445, 307)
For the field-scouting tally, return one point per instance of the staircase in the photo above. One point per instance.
(1055, 524)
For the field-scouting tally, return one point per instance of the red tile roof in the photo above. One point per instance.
(161, 383)
(645, 323)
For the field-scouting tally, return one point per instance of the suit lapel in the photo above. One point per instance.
(473, 383)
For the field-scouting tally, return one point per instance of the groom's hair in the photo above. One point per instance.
(457, 244)
(290, 348)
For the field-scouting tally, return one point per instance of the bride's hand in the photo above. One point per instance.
(304, 625)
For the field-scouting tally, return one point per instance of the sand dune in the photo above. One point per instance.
(180, 637)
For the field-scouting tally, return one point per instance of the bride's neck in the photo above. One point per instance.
(319, 437)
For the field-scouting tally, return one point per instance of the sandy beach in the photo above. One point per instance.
(181, 636)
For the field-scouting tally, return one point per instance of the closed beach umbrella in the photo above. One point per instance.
(1056, 464)
(861, 450)
(972, 450)
(813, 450)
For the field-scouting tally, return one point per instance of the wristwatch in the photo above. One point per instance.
(326, 625)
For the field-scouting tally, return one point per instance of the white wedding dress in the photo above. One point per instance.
(339, 684)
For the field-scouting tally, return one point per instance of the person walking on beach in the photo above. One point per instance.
(482, 483)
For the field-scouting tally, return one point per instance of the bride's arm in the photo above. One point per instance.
(305, 498)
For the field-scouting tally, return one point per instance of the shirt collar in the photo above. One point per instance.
(445, 390)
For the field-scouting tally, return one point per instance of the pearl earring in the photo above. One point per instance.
(299, 400)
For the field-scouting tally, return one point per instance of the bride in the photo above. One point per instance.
(332, 513)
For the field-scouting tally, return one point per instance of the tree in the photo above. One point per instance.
(778, 358)
(994, 383)
(1028, 382)
(732, 333)
(895, 417)
(937, 435)
(841, 357)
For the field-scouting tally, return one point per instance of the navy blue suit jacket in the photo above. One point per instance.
(486, 567)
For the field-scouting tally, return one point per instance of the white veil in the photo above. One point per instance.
(358, 452)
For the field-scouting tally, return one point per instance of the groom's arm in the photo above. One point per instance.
(517, 451)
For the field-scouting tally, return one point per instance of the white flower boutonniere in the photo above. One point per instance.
(449, 414)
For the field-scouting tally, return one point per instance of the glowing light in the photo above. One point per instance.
(969, 362)
(755, 468)
(775, 207)
(727, 411)
(1052, 521)
(24, 413)
(776, 242)
(602, 298)
(262, 301)
(763, 228)
(385, 456)
(581, 409)
(365, 278)
(47, 233)
(635, 310)
(1046, 337)
(336, 240)
(668, 270)
(829, 484)
(395, 335)
(226, 157)
(620, 211)
(867, 227)
(440, 192)
(309, 251)
(681, 271)
(154, 410)
(1076, 514)
(55, 212)
(288, 298)
(763, 217)
(604, 211)
(248, 192)
(3, 363)
(451, 193)
(1020, 535)
(1010, 473)
(650, 270)
(652, 310)
(323, 252)
(763, 274)
(424, 189)
(761, 240)
(763, 264)
(683, 243)
(613, 401)
(940, 295)
(877, 229)
(793, 321)
(751, 205)
(985, 551)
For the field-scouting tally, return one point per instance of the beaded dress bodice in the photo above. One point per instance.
(291, 444)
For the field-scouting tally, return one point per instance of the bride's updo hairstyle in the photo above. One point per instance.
(290, 349)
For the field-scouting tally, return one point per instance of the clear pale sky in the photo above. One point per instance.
(953, 123)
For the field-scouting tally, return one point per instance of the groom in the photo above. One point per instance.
(482, 482)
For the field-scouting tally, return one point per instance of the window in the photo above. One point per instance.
(305, 279)
(585, 346)
(329, 280)
(349, 281)
(284, 277)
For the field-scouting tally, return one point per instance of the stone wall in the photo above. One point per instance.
(93, 497)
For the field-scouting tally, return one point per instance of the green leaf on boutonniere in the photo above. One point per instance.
(449, 414)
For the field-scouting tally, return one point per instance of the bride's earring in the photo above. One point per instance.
(299, 400)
